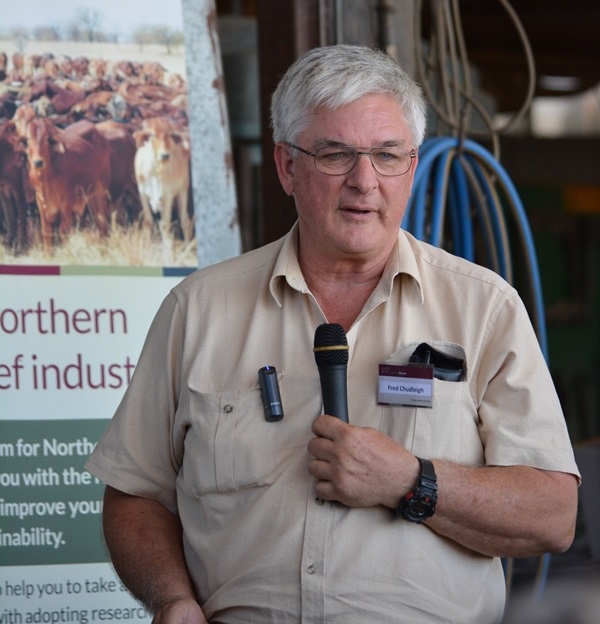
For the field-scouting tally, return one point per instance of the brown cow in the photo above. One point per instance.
(18, 60)
(152, 73)
(69, 170)
(123, 187)
(93, 106)
(23, 115)
(31, 64)
(13, 201)
(162, 165)
(51, 68)
(97, 68)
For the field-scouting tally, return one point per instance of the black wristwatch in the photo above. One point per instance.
(419, 504)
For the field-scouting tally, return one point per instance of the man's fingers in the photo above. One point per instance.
(328, 426)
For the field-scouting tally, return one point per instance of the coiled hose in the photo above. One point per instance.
(461, 182)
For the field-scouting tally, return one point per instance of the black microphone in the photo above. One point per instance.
(331, 356)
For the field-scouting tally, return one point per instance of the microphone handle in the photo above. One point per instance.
(334, 390)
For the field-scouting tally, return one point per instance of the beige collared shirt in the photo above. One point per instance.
(260, 546)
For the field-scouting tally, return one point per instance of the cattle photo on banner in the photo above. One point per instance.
(95, 136)
(105, 205)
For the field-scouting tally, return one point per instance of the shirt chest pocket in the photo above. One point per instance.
(449, 429)
(229, 445)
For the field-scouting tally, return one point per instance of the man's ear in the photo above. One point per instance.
(284, 163)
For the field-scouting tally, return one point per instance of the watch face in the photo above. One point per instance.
(418, 505)
(421, 507)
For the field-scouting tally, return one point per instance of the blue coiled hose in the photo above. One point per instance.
(464, 182)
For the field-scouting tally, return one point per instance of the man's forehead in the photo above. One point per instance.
(375, 119)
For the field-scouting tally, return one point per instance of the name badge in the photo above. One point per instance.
(408, 384)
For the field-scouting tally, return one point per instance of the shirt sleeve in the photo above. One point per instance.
(139, 453)
(521, 419)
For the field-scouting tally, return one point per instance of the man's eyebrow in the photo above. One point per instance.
(319, 143)
(393, 143)
(330, 143)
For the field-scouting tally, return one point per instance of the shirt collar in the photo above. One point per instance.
(403, 261)
(287, 268)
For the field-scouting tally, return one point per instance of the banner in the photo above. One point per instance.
(91, 241)
(70, 343)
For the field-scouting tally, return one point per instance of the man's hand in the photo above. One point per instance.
(183, 610)
(359, 466)
(511, 510)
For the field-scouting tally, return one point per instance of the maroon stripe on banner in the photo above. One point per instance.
(28, 269)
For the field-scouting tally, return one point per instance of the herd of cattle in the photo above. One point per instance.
(85, 143)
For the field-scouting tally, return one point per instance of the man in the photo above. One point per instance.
(214, 513)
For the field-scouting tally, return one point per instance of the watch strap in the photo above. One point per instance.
(427, 471)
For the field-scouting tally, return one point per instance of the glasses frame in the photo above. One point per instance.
(412, 153)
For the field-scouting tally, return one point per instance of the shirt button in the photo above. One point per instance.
(319, 501)
(228, 408)
(311, 569)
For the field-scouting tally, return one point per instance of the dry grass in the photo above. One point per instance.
(133, 246)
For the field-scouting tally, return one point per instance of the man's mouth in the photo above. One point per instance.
(356, 210)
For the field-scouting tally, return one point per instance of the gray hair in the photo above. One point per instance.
(332, 76)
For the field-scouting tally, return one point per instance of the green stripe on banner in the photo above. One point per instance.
(127, 271)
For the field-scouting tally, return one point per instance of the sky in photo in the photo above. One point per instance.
(120, 16)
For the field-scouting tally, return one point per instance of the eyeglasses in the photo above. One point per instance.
(339, 160)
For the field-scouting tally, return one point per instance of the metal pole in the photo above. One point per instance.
(213, 182)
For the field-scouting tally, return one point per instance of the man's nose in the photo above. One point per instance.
(363, 175)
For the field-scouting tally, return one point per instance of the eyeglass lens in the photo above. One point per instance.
(391, 161)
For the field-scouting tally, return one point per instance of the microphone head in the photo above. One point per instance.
(330, 345)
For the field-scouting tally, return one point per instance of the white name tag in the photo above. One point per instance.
(410, 384)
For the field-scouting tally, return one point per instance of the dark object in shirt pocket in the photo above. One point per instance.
(445, 367)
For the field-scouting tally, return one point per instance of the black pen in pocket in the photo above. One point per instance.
(269, 390)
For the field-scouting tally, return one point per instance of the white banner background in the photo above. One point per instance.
(46, 467)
